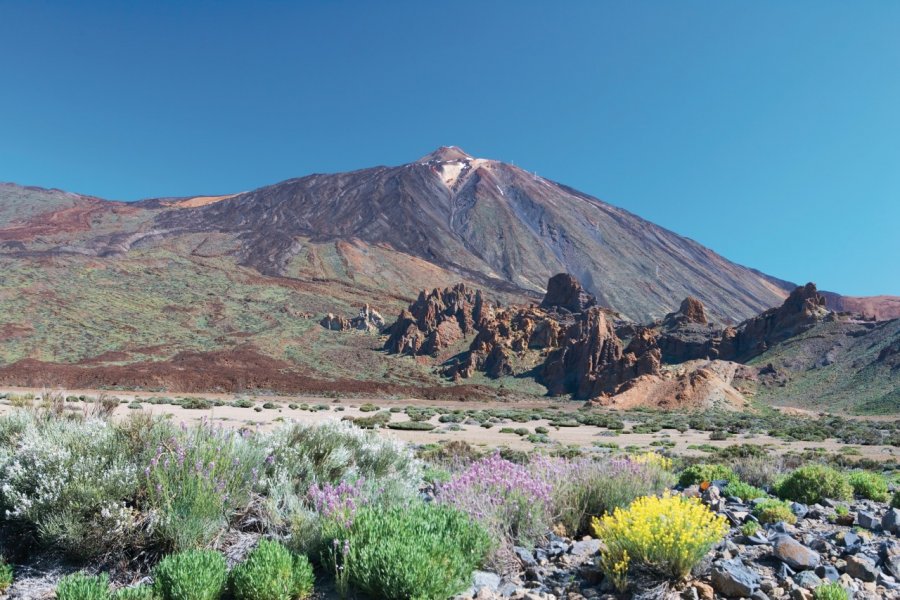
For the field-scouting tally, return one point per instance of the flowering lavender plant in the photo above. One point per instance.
(338, 502)
(197, 480)
(513, 504)
(586, 487)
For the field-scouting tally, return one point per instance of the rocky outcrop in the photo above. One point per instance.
(804, 307)
(438, 320)
(690, 311)
(565, 293)
(685, 334)
(367, 320)
(591, 361)
(507, 333)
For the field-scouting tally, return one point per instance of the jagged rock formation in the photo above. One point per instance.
(565, 293)
(591, 361)
(690, 311)
(685, 334)
(367, 320)
(437, 320)
(804, 307)
(509, 332)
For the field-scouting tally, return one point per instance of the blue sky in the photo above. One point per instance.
(768, 131)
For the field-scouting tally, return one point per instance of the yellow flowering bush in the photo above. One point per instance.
(670, 534)
(653, 459)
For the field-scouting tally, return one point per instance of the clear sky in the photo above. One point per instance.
(767, 130)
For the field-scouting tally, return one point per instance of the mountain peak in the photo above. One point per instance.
(445, 153)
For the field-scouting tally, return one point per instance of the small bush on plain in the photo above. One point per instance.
(744, 491)
(670, 534)
(190, 575)
(6, 575)
(831, 591)
(79, 586)
(813, 483)
(869, 485)
(424, 551)
(271, 572)
(137, 592)
(705, 472)
(506, 498)
(774, 511)
(582, 488)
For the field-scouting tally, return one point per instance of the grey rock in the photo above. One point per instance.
(525, 556)
(891, 521)
(484, 579)
(793, 553)
(828, 572)
(868, 520)
(849, 540)
(733, 580)
(862, 568)
(807, 580)
(892, 564)
(799, 510)
(585, 547)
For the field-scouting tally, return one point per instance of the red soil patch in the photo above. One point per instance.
(238, 370)
(12, 331)
(65, 220)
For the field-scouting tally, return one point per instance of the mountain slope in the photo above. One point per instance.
(491, 221)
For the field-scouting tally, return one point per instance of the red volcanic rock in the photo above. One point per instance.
(683, 339)
(367, 320)
(437, 320)
(804, 307)
(690, 311)
(586, 362)
(564, 292)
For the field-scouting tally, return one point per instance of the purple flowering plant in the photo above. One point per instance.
(197, 480)
(586, 487)
(513, 504)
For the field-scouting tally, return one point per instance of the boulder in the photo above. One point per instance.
(564, 292)
(861, 567)
(733, 580)
(793, 553)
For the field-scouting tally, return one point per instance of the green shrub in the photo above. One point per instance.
(831, 591)
(69, 481)
(895, 500)
(195, 403)
(774, 511)
(79, 586)
(6, 575)
(424, 551)
(541, 430)
(271, 572)
(242, 403)
(368, 407)
(744, 491)
(197, 481)
(813, 483)
(138, 592)
(412, 426)
(379, 419)
(872, 486)
(705, 472)
(269, 405)
(749, 528)
(293, 406)
(190, 575)
(669, 533)
(306, 455)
